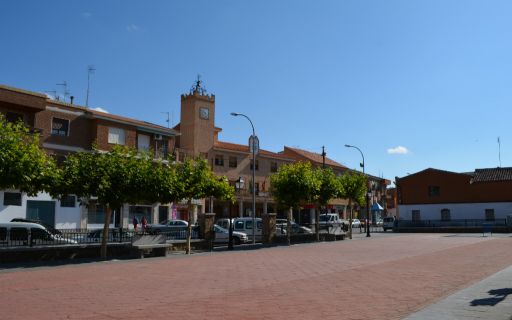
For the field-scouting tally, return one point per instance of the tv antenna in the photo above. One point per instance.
(90, 70)
(64, 85)
(168, 118)
(499, 151)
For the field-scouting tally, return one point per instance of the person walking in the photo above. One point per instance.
(144, 223)
(135, 223)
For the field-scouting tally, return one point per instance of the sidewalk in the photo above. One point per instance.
(488, 299)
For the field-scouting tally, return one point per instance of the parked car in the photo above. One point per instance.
(388, 223)
(356, 223)
(47, 226)
(167, 225)
(222, 235)
(29, 234)
(281, 224)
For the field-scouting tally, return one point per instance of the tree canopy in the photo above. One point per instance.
(23, 164)
(294, 183)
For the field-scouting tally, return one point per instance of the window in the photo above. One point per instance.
(416, 215)
(219, 160)
(95, 213)
(13, 117)
(115, 136)
(445, 215)
(273, 166)
(12, 199)
(19, 234)
(68, 202)
(256, 187)
(143, 142)
(60, 127)
(233, 162)
(434, 191)
(489, 215)
(239, 225)
(257, 165)
(39, 234)
(164, 148)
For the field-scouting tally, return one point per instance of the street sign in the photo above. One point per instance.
(254, 142)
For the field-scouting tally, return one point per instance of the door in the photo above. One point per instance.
(41, 210)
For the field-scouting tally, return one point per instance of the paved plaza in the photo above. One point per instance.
(387, 276)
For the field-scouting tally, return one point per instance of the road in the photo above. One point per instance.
(387, 276)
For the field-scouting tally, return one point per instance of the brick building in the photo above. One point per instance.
(431, 194)
(65, 128)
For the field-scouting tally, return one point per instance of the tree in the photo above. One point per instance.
(198, 181)
(330, 188)
(120, 176)
(292, 184)
(353, 187)
(23, 164)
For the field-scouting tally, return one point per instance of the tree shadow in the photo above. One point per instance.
(498, 296)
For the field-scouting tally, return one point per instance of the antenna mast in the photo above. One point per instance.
(499, 151)
(168, 118)
(90, 70)
(64, 85)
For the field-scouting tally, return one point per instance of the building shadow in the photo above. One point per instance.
(498, 295)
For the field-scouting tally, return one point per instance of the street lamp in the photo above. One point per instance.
(239, 185)
(367, 206)
(252, 147)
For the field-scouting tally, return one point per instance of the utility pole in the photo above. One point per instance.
(323, 157)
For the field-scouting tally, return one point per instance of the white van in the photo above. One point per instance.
(245, 225)
(13, 234)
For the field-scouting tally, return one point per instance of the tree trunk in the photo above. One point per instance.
(350, 219)
(106, 224)
(189, 228)
(289, 226)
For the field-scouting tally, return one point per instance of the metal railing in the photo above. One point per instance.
(25, 237)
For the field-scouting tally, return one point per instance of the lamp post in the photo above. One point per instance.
(239, 185)
(367, 206)
(252, 147)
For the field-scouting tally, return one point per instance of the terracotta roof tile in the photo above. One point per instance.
(245, 148)
(312, 156)
(492, 174)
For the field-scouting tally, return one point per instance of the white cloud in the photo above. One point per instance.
(398, 150)
(132, 28)
(86, 15)
(100, 110)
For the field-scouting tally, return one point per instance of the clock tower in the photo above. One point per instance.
(197, 123)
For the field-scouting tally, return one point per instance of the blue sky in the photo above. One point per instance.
(431, 76)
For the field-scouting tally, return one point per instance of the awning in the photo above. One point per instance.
(377, 207)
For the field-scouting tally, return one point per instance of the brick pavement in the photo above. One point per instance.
(383, 277)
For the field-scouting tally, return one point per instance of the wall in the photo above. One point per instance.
(65, 218)
(457, 210)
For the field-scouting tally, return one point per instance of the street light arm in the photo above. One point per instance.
(361, 152)
(246, 117)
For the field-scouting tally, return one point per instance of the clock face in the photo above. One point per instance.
(204, 113)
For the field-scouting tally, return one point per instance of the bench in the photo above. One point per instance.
(148, 243)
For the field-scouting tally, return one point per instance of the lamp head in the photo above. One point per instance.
(348, 146)
(234, 114)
